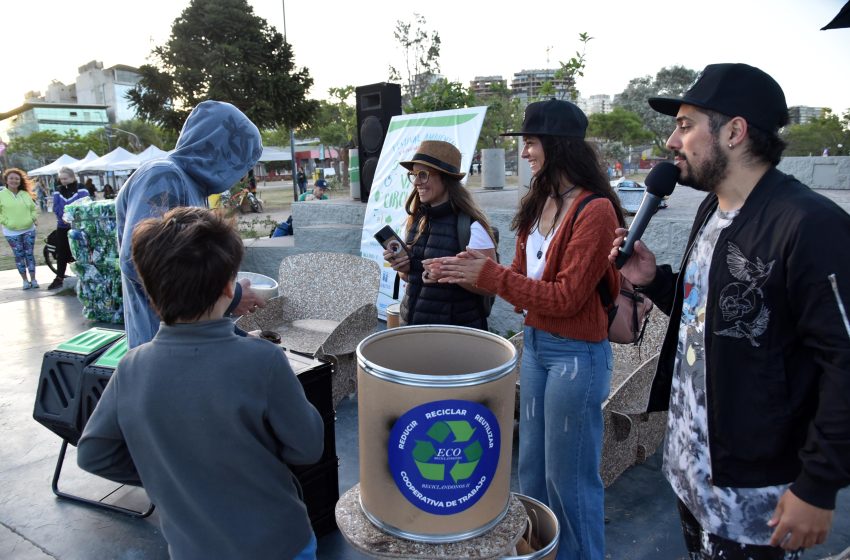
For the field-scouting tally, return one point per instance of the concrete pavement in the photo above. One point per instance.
(35, 525)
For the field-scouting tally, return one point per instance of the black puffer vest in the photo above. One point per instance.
(438, 304)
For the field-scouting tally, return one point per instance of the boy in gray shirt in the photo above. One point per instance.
(204, 419)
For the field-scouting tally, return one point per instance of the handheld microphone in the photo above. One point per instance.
(659, 183)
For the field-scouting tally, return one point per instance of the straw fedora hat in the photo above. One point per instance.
(439, 155)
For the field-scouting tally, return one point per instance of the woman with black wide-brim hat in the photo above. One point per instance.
(561, 260)
(442, 215)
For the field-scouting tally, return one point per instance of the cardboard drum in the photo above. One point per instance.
(436, 408)
(393, 312)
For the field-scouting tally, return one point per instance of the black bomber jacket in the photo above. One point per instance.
(777, 341)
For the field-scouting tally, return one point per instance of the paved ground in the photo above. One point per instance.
(35, 525)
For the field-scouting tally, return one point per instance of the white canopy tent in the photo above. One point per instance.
(91, 156)
(151, 153)
(53, 168)
(118, 159)
(274, 153)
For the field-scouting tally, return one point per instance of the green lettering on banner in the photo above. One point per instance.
(452, 120)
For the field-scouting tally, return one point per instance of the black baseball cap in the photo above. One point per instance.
(554, 117)
(735, 90)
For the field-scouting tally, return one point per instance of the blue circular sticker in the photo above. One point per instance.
(443, 455)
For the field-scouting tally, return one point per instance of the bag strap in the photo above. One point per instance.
(464, 229)
(602, 286)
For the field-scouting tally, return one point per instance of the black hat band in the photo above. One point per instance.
(434, 161)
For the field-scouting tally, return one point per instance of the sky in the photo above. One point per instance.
(351, 42)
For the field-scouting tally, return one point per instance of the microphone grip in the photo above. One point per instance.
(648, 208)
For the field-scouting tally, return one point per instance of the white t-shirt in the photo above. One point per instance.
(478, 238)
(535, 245)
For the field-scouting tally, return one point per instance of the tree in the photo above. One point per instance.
(35, 150)
(440, 96)
(827, 131)
(336, 125)
(149, 134)
(421, 56)
(669, 82)
(504, 113)
(573, 68)
(618, 126)
(617, 132)
(219, 49)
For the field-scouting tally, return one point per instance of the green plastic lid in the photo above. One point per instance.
(90, 341)
(111, 357)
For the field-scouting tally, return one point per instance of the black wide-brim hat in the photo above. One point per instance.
(554, 117)
(439, 155)
(734, 90)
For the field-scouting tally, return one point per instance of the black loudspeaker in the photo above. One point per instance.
(376, 105)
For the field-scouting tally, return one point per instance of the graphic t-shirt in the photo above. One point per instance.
(737, 514)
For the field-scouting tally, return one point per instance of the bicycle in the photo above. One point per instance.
(49, 253)
(243, 200)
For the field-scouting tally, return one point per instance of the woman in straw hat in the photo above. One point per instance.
(438, 207)
(561, 260)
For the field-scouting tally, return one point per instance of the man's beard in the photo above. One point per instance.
(710, 173)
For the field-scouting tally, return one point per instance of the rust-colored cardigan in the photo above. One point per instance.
(565, 301)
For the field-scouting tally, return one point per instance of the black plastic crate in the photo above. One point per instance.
(57, 400)
(316, 379)
(320, 485)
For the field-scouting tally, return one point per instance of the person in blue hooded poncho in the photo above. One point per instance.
(217, 146)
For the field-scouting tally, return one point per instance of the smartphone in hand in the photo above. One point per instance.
(388, 239)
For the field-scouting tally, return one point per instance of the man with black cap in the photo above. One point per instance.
(755, 365)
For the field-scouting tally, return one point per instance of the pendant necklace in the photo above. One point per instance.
(542, 243)
(551, 229)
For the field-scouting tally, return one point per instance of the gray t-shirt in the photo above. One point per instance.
(737, 514)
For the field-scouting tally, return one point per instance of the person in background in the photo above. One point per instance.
(755, 364)
(19, 216)
(555, 280)
(211, 448)
(217, 146)
(319, 190)
(302, 180)
(434, 207)
(42, 193)
(69, 191)
(90, 187)
(108, 191)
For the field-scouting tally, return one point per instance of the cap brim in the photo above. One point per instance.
(666, 105)
(513, 134)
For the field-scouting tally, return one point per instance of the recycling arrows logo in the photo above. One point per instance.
(444, 454)
(424, 451)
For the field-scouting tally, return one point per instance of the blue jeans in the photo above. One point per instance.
(309, 551)
(563, 383)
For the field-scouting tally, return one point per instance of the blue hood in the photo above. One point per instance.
(217, 146)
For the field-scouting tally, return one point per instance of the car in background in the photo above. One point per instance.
(631, 194)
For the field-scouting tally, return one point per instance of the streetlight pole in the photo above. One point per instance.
(291, 130)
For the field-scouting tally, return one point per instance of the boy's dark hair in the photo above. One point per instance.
(184, 260)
